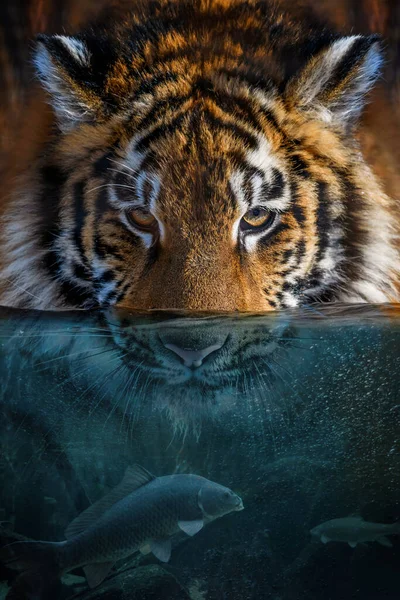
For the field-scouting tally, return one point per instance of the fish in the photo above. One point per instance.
(354, 530)
(141, 514)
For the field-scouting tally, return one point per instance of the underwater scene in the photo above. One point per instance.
(165, 456)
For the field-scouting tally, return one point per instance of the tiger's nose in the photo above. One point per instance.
(193, 358)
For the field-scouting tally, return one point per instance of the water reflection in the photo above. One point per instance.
(297, 413)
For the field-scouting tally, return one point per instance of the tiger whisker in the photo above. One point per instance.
(67, 356)
(134, 414)
(126, 391)
(271, 429)
(21, 289)
(119, 172)
(289, 374)
(123, 165)
(107, 378)
(98, 187)
(286, 383)
(55, 334)
(78, 374)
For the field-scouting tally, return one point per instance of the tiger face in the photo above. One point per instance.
(205, 160)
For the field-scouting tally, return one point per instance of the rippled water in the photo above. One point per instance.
(298, 413)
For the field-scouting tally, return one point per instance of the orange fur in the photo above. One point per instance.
(224, 85)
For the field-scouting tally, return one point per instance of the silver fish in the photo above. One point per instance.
(354, 530)
(141, 513)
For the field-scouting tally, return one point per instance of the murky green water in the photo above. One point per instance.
(299, 414)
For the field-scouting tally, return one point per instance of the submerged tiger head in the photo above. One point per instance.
(125, 366)
(205, 160)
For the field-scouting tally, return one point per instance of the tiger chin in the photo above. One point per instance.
(201, 156)
(119, 367)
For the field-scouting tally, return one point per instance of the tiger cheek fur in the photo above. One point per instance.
(205, 159)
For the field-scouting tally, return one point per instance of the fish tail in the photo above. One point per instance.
(23, 556)
(35, 585)
(39, 569)
(396, 528)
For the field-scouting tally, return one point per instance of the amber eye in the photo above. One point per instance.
(142, 219)
(257, 218)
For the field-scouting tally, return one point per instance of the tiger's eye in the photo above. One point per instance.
(142, 219)
(257, 218)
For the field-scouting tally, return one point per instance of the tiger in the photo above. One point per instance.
(201, 155)
(113, 370)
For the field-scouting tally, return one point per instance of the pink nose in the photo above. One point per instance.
(193, 358)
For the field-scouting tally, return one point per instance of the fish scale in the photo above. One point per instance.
(141, 513)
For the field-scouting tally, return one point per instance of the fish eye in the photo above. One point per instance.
(226, 494)
(257, 219)
(141, 219)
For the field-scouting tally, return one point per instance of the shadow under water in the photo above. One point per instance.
(297, 412)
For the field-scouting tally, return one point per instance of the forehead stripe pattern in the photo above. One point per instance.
(206, 109)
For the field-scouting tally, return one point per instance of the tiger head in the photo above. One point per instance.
(123, 366)
(205, 160)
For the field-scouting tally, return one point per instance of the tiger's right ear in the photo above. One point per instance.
(334, 83)
(64, 66)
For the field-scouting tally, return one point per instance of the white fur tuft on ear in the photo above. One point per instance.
(334, 83)
(77, 49)
(60, 63)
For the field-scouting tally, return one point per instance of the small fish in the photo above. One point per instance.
(141, 513)
(354, 530)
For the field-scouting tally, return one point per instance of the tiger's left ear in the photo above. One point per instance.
(334, 83)
(64, 65)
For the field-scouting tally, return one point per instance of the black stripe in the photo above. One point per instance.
(287, 255)
(80, 272)
(232, 105)
(354, 55)
(102, 205)
(149, 86)
(355, 235)
(159, 132)
(80, 216)
(299, 166)
(297, 211)
(125, 186)
(101, 208)
(121, 293)
(159, 109)
(49, 202)
(249, 139)
(323, 218)
(265, 240)
(102, 164)
(277, 186)
(300, 251)
(105, 277)
(270, 117)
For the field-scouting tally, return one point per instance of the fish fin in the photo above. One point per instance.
(384, 541)
(191, 527)
(396, 528)
(145, 549)
(161, 549)
(352, 544)
(97, 572)
(134, 478)
(324, 539)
